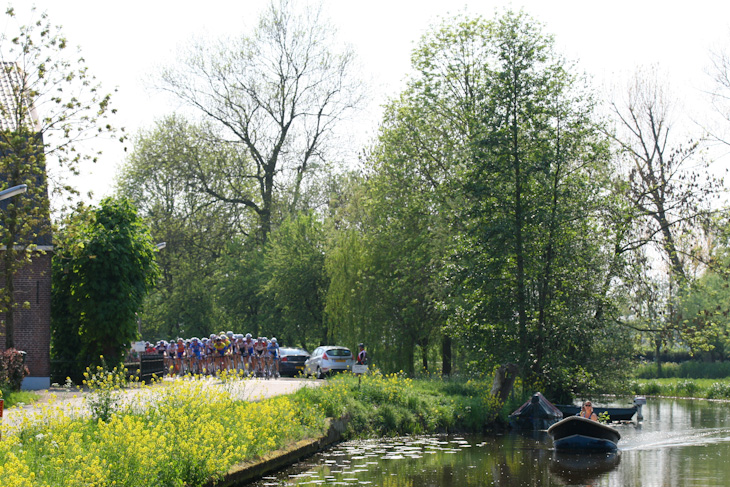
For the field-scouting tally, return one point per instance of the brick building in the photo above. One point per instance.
(33, 324)
(32, 282)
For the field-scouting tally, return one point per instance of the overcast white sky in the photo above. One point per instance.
(125, 41)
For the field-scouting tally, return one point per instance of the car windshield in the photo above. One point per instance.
(293, 351)
(338, 352)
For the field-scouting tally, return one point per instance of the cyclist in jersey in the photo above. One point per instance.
(274, 356)
(171, 350)
(195, 355)
(248, 344)
(204, 355)
(230, 351)
(240, 353)
(179, 355)
(220, 347)
(259, 349)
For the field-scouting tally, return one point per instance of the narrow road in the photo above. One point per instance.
(73, 400)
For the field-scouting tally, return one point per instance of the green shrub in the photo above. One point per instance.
(686, 388)
(396, 405)
(648, 388)
(718, 390)
(12, 369)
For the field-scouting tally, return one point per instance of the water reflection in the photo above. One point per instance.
(679, 443)
(583, 469)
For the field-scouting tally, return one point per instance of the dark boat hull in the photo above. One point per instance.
(615, 414)
(576, 433)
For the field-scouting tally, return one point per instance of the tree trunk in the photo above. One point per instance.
(504, 380)
(446, 355)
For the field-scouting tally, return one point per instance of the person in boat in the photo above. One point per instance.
(587, 411)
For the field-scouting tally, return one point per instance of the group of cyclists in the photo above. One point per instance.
(223, 352)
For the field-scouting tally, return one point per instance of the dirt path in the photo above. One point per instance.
(73, 400)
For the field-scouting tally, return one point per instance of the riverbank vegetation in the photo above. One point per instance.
(190, 431)
(683, 370)
(696, 388)
(377, 404)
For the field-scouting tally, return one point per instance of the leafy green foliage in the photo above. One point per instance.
(103, 269)
(688, 370)
(482, 214)
(297, 282)
(393, 404)
(159, 177)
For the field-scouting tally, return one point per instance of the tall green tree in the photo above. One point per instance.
(401, 233)
(103, 269)
(535, 191)
(297, 281)
(51, 102)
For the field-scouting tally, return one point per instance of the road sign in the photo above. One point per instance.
(359, 369)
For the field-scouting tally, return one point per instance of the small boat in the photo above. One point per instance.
(576, 433)
(614, 414)
(536, 414)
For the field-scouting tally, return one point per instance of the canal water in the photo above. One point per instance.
(679, 443)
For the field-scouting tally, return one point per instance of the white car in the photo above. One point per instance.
(327, 359)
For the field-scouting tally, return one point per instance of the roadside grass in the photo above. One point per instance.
(13, 398)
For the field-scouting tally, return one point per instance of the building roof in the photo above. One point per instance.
(12, 101)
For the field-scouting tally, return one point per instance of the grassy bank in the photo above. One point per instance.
(701, 388)
(188, 432)
(378, 405)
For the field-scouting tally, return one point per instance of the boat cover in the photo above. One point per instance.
(537, 413)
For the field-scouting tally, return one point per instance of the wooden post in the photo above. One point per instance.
(2, 403)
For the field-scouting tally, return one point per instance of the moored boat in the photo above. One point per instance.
(614, 414)
(536, 414)
(576, 433)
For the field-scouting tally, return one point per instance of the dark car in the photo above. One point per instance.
(292, 360)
